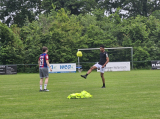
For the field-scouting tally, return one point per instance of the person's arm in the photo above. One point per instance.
(107, 58)
(47, 61)
(48, 65)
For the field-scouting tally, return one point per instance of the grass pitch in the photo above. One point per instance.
(133, 95)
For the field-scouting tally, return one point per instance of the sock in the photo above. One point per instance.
(86, 74)
(103, 84)
(40, 87)
(45, 86)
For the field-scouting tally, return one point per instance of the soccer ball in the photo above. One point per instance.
(79, 54)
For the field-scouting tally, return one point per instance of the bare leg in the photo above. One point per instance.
(103, 79)
(89, 71)
(92, 68)
(41, 83)
(46, 82)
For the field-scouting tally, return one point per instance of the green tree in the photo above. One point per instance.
(31, 37)
(74, 6)
(133, 7)
(64, 33)
(16, 11)
(153, 44)
(11, 47)
(156, 14)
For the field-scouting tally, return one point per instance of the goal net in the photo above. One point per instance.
(118, 54)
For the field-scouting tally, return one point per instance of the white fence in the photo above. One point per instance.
(117, 66)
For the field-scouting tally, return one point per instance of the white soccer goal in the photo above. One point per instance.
(109, 48)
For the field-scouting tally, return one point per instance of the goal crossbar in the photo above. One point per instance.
(110, 48)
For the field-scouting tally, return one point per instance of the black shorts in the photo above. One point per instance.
(43, 72)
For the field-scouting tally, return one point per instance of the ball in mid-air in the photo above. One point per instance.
(79, 54)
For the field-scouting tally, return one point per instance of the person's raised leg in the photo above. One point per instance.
(89, 71)
(92, 68)
(103, 80)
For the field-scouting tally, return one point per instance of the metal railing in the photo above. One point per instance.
(34, 68)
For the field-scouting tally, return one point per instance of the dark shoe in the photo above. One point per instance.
(40, 90)
(103, 87)
(84, 76)
(46, 90)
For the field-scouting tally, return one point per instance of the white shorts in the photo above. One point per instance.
(100, 67)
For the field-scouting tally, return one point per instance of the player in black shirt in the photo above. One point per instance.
(104, 59)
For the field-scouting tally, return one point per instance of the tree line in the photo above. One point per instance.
(64, 31)
(16, 11)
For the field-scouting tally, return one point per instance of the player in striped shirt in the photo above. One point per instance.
(43, 70)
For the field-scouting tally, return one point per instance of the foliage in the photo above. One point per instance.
(76, 7)
(64, 33)
(11, 47)
(16, 11)
(132, 8)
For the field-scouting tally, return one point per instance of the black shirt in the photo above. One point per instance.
(103, 56)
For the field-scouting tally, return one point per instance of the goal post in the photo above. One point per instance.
(108, 49)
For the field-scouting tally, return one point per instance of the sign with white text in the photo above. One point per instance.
(117, 66)
(155, 64)
(8, 69)
(63, 68)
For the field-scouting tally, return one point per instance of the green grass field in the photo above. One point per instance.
(133, 95)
